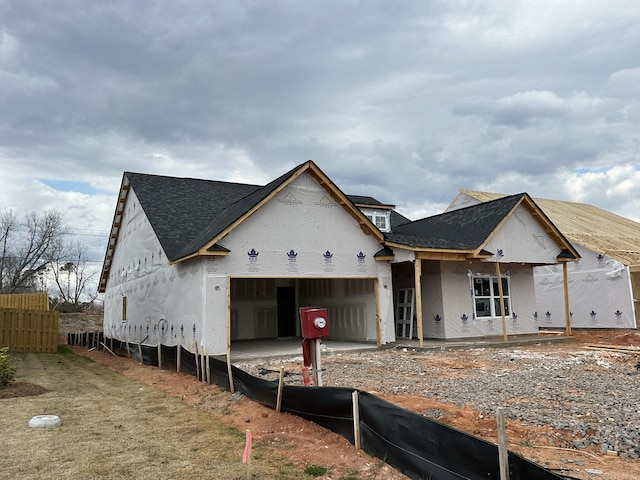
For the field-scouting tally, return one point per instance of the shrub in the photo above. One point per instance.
(315, 470)
(8, 367)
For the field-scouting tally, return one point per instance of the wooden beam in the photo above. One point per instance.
(450, 256)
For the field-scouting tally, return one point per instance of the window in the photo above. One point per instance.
(486, 297)
(379, 221)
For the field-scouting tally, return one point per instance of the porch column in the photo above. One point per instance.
(567, 310)
(376, 284)
(501, 293)
(417, 264)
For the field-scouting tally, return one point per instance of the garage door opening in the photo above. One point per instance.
(267, 308)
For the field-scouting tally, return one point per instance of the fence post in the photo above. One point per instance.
(356, 419)
(503, 453)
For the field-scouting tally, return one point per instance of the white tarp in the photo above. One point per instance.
(600, 294)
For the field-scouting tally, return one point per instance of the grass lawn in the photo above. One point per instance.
(115, 428)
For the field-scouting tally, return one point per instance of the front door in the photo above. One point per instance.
(287, 318)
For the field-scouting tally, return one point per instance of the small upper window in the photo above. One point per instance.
(381, 223)
(380, 220)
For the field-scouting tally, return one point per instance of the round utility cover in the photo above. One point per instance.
(44, 421)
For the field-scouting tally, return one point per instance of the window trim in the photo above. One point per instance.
(381, 220)
(493, 297)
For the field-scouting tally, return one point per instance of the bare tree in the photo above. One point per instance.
(26, 248)
(69, 267)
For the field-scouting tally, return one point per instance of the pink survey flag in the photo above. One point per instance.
(247, 448)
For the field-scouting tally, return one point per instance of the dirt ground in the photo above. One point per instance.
(305, 443)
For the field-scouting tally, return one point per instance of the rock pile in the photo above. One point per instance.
(593, 395)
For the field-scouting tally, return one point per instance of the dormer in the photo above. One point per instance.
(378, 213)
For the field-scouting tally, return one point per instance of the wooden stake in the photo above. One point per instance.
(280, 383)
(503, 453)
(230, 372)
(159, 355)
(140, 353)
(203, 366)
(108, 349)
(178, 358)
(356, 419)
(206, 356)
(318, 363)
(197, 355)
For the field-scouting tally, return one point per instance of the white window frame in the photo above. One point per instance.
(380, 219)
(487, 295)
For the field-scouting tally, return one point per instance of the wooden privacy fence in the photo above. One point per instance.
(33, 331)
(27, 301)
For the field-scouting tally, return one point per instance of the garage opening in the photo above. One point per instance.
(267, 308)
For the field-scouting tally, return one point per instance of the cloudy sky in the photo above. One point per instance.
(406, 101)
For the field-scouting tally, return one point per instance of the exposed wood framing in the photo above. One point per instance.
(115, 230)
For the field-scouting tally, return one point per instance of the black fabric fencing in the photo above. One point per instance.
(417, 446)
(86, 339)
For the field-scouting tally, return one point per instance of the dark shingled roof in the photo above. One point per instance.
(232, 212)
(463, 229)
(363, 200)
(397, 219)
(186, 213)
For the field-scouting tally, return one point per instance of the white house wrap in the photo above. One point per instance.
(202, 264)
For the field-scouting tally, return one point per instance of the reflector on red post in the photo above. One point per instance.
(313, 322)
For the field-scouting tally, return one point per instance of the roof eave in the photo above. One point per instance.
(114, 233)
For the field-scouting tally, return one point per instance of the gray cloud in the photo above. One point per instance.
(408, 102)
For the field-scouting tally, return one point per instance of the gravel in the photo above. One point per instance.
(592, 394)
